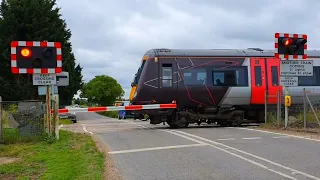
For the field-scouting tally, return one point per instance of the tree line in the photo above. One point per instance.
(40, 20)
(34, 20)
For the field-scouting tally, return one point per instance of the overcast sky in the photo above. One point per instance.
(111, 36)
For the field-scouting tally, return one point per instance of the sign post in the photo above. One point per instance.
(43, 60)
(290, 49)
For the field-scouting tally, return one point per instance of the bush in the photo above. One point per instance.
(112, 114)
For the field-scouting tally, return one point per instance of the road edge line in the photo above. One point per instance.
(85, 129)
(283, 134)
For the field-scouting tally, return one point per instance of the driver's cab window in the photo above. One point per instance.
(166, 75)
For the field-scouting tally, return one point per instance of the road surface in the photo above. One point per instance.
(144, 151)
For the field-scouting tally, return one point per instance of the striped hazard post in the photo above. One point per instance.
(118, 108)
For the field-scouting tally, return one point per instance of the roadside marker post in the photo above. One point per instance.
(291, 50)
(43, 60)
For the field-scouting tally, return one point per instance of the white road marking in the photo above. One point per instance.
(143, 127)
(283, 134)
(156, 148)
(249, 154)
(226, 151)
(277, 137)
(85, 129)
(115, 124)
(252, 138)
(186, 137)
(228, 139)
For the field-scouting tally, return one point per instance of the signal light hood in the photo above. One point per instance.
(47, 53)
(36, 63)
(301, 41)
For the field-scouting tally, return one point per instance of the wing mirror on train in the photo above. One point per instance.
(291, 46)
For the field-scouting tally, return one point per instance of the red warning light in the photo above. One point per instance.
(26, 53)
(287, 42)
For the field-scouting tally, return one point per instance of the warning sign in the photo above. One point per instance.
(288, 81)
(296, 68)
(44, 79)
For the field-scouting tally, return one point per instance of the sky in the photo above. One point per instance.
(110, 37)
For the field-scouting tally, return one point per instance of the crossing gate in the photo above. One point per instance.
(118, 108)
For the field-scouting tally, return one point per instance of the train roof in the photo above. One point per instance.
(250, 52)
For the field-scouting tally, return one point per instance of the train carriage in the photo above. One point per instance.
(226, 86)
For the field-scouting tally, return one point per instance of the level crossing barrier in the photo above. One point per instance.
(117, 108)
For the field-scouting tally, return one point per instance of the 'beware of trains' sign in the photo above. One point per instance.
(296, 68)
(44, 79)
(289, 81)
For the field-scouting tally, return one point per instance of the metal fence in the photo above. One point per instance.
(302, 114)
(21, 120)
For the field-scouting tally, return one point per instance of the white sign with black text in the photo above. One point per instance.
(289, 81)
(296, 68)
(44, 79)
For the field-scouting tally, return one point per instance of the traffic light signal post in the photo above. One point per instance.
(290, 49)
(43, 60)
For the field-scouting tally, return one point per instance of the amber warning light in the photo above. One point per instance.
(26, 53)
(287, 42)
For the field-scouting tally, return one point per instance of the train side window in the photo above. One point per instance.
(166, 75)
(218, 78)
(258, 75)
(194, 76)
(310, 80)
(235, 76)
(274, 72)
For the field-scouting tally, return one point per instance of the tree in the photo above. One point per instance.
(103, 90)
(34, 20)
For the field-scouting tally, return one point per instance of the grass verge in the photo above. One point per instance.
(112, 114)
(74, 156)
(65, 121)
(295, 125)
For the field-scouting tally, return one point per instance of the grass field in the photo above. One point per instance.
(74, 156)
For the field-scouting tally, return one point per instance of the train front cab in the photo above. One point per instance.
(265, 73)
(155, 82)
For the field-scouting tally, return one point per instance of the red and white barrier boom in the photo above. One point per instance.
(118, 108)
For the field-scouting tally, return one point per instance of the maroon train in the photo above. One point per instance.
(226, 86)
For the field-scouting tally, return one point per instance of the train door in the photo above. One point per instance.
(168, 79)
(273, 86)
(258, 80)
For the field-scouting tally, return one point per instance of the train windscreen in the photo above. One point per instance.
(138, 74)
(136, 80)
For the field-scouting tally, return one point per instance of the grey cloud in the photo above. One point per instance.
(110, 37)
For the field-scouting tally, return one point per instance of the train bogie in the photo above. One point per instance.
(227, 87)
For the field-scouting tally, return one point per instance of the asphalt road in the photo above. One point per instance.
(147, 152)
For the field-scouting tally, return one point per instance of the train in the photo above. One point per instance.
(223, 86)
